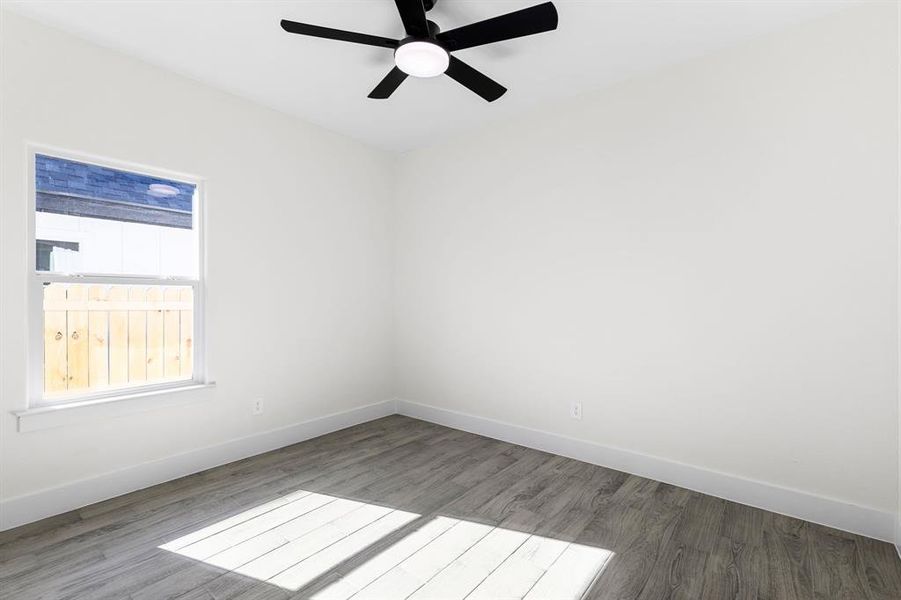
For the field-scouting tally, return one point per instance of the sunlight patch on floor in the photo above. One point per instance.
(298, 539)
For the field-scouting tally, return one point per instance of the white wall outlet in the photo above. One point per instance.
(575, 411)
(256, 407)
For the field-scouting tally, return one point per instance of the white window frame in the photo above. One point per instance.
(37, 279)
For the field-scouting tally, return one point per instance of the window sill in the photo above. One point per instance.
(46, 417)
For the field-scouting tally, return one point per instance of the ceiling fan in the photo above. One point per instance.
(426, 51)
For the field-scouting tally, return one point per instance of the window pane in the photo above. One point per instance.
(99, 337)
(99, 220)
(53, 255)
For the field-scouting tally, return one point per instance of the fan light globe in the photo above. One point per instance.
(422, 59)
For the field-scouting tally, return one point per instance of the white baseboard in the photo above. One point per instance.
(826, 511)
(898, 535)
(53, 501)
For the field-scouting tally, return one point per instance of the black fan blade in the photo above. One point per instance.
(387, 86)
(412, 13)
(481, 84)
(338, 34)
(527, 21)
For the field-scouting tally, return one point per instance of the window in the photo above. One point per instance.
(116, 292)
(52, 254)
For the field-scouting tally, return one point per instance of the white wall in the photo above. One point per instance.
(299, 252)
(705, 257)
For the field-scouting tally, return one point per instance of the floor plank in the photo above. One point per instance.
(401, 508)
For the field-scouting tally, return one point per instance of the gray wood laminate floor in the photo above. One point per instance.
(401, 508)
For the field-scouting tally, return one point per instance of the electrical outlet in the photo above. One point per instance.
(257, 407)
(575, 411)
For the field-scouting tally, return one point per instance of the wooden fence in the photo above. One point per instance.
(98, 336)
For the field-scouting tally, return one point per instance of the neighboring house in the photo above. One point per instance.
(97, 219)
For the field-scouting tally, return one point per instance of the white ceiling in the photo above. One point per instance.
(239, 47)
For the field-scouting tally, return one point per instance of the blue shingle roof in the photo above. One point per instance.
(70, 178)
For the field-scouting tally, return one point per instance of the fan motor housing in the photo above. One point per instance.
(434, 30)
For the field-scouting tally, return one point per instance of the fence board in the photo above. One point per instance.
(155, 335)
(118, 337)
(186, 350)
(171, 336)
(97, 335)
(77, 334)
(137, 335)
(98, 347)
(106, 305)
(55, 375)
